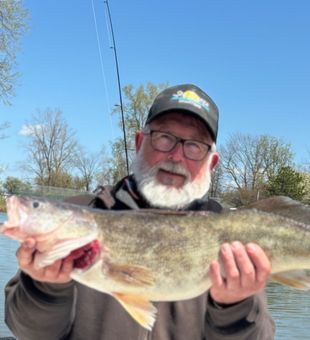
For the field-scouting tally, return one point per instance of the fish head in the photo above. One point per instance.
(33, 216)
(57, 227)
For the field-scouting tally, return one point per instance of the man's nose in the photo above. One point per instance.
(176, 154)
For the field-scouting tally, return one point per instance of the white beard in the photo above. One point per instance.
(161, 196)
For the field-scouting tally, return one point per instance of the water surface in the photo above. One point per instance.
(8, 267)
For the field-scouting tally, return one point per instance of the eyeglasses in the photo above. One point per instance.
(166, 142)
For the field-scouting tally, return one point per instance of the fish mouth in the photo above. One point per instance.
(17, 208)
(85, 256)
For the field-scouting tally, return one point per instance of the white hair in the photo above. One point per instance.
(159, 195)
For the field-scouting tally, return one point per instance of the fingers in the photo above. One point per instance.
(51, 272)
(230, 267)
(215, 275)
(241, 271)
(25, 253)
(248, 264)
(246, 268)
(58, 272)
(65, 271)
(261, 262)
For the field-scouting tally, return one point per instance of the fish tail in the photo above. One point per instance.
(298, 279)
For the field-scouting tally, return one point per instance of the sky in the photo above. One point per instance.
(251, 57)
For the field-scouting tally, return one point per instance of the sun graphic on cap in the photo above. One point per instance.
(191, 95)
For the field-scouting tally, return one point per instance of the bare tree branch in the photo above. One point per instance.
(249, 161)
(12, 26)
(51, 147)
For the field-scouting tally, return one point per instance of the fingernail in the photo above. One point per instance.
(251, 246)
(225, 248)
(236, 245)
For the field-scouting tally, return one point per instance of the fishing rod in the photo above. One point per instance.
(119, 85)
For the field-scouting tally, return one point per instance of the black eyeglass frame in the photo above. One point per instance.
(177, 141)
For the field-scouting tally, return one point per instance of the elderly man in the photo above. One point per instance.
(176, 153)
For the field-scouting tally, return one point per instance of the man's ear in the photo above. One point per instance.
(138, 140)
(214, 160)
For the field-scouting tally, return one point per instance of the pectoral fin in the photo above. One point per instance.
(129, 274)
(139, 308)
(298, 279)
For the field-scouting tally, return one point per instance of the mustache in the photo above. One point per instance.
(174, 167)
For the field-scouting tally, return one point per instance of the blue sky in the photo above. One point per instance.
(251, 57)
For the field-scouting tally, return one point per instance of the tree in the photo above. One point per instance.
(13, 185)
(88, 166)
(63, 182)
(51, 148)
(136, 106)
(3, 126)
(249, 161)
(216, 186)
(13, 18)
(306, 183)
(287, 182)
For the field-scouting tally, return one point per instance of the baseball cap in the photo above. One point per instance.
(189, 98)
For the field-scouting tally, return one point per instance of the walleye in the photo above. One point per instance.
(284, 206)
(154, 255)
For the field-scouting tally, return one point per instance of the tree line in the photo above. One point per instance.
(250, 168)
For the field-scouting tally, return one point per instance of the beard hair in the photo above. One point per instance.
(161, 196)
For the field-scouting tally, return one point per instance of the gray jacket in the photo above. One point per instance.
(36, 311)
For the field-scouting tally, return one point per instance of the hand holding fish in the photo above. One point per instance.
(246, 270)
(58, 272)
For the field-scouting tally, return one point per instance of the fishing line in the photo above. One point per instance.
(102, 67)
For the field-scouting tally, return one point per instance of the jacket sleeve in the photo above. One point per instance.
(248, 319)
(36, 311)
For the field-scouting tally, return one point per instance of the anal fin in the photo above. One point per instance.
(298, 279)
(141, 309)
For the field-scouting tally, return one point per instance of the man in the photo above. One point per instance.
(176, 153)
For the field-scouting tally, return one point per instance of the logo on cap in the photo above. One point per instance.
(190, 97)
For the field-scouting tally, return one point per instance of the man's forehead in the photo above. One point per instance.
(182, 118)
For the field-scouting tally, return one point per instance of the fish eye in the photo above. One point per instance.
(35, 204)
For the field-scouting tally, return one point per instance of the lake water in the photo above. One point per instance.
(290, 308)
(8, 267)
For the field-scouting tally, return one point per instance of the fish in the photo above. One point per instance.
(284, 206)
(144, 256)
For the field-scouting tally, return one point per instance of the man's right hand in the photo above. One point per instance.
(58, 272)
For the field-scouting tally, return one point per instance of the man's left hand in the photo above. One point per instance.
(245, 271)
